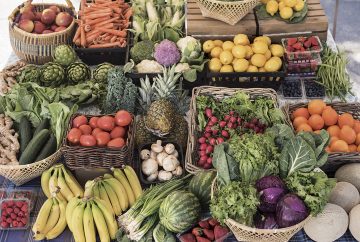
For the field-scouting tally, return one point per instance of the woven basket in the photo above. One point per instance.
(20, 174)
(98, 157)
(220, 93)
(38, 48)
(228, 12)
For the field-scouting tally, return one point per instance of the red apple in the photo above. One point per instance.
(48, 16)
(39, 27)
(56, 9)
(47, 31)
(53, 27)
(38, 16)
(61, 28)
(63, 19)
(28, 15)
(26, 25)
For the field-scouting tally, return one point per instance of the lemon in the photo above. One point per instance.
(260, 47)
(234, 60)
(239, 51)
(226, 57)
(268, 54)
(272, 7)
(272, 65)
(286, 12)
(278, 60)
(215, 65)
(261, 69)
(241, 65)
(290, 3)
(252, 68)
(300, 4)
(277, 50)
(208, 46)
(215, 52)
(264, 38)
(226, 68)
(241, 39)
(281, 5)
(258, 60)
(228, 45)
(249, 52)
(218, 42)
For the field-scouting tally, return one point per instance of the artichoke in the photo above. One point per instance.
(30, 73)
(78, 72)
(64, 55)
(52, 74)
(100, 73)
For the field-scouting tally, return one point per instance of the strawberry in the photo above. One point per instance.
(4, 224)
(24, 208)
(13, 216)
(3, 206)
(291, 41)
(197, 231)
(3, 218)
(16, 210)
(15, 223)
(297, 46)
(213, 222)
(209, 234)
(21, 214)
(9, 210)
(313, 40)
(18, 219)
(204, 224)
(20, 224)
(307, 43)
(24, 221)
(187, 238)
(302, 49)
(19, 204)
(220, 233)
(302, 39)
(200, 239)
(9, 220)
(10, 203)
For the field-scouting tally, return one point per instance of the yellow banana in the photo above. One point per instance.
(61, 223)
(89, 188)
(89, 226)
(43, 216)
(70, 209)
(120, 176)
(107, 175)
(77, 222)
(64, 188)
(53, 217)
(134, 181)
(104, 196)
(45, 177)
(100, 223)
(120, 192)
(54, 188)
(95, 190)
(109, 217)
(73, 184)
(113, 198)
(39, 236)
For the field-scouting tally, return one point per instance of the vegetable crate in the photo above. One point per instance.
(220, 93)
(98, 157)
(335, 159)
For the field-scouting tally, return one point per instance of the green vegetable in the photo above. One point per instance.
(161, 234)
(44, 124)
(25, 131)
(48, 149)
(34, 147)
(142, 50)
(226, 165)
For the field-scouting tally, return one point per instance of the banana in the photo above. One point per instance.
(45, 177)
(70, 209)
(89, 188)
(61, 223)
(113, 198)
(95, 190)
(120, 176)
(107, 175)
(54, 188)
(43, 216)
(53, 217)
(73, 184)
(89, 226)
(77, 222)
(120, 192)
(100, 223)
(64, 188)
(134, 181)
(104, 196)
(109, 217)
(39, 236)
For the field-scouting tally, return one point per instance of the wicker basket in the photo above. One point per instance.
(220, 93)
(38, 48)
(98, 157)
(228, 12)
(20, 174)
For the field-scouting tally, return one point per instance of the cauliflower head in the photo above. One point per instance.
(148, 66)
(166, 53)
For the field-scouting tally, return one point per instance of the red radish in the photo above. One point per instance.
(231, 112)
(209, 234)
(227, 117)
(251, 126)
(210, 123)
(222, 124)
(215, 132)
(202, 140)
(220, 140)
(209, 160)
(225, 134)
(209, 149)
(207, 135)
(208, 112)
(201, 162)
(203, 147)
(212, 141)
(232, 120)
(204, 158)
(231, 125)
(213, 119)
(254, 121)
(202, 152)
(239, 120)
(208, 129)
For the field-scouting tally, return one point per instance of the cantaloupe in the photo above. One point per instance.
(345, 195)
(349, 173)
(354, 224)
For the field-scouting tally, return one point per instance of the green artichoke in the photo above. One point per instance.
(52, 74)
(30, 73)
(64, 55)
(100, 73)
(78, 72)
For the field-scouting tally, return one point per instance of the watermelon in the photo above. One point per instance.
(200, 185)
(179, 211)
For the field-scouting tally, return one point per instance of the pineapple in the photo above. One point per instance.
(142, 135)
(159, 118)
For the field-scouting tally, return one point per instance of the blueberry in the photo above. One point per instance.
(292, 89)
(313, 89)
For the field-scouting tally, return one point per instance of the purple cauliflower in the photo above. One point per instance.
(166, 53)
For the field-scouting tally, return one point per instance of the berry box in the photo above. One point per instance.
(302, 48)
(313, 89)
(292, 89)
(299, 67)
(15, 214)
(22, 193)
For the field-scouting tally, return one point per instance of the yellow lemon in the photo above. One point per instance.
(241, 39)
(241, 65)
(272, 65)
(290, 3)
(226, 57)
(235, 59)
(278, 60)
(215, 52)
(215, 65)
(281, 5)
(218, 42)
(239, 51)
(258, 60)
(272, 7)
(226, 68)
(249, 52)
(268, 54)
(286, 12)
(228, 45)
(300, 4)
(260, 47)
(261, 69)
(264, 38)
(252, 68)
(208, 46)
(277, 50)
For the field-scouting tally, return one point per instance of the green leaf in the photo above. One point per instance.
(220, 164)
(308, 138)
(299, 16)
(190, 75)
(261, 12)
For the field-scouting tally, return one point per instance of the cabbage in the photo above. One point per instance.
(269, 197)
(265, 221)
(290, 210)
(269, 181)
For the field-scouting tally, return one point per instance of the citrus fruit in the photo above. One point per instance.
(290, 3)
(301, 112)
(268, 54)
(239, 51)
(298, 121)
(316, 106)
(226, 68)
(226, 57)
(241, 65)
(316, 122)
(333, 130)
(208, 46)
(263, 38)
(272, 65)
(272, 7)
(346, 119)
(304, 127)
(241, 39)
(339, 146)
(215, 52)
(258, 60)
(286, 13)
(357, 126)
(330, 116)
(281, 5)
(357, 141)
(352, 148)
(347, 134)
(252, 68)
(218, 42)
(215, 65)
(260, 47)
(262, 69)
(228, 45)
(300, 4)
(277, 50)
(249, 52)
(332, 140)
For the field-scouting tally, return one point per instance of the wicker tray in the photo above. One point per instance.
(220, 93)
(98, 157)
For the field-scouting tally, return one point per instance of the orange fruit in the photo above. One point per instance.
(333, 139)
(316, 122)
(304, 127)
(317, 131)
(352, 148)
(347, 134)
(330, 116)
(299, 120)
(357, 141)
(301, 112)
(333, 130)
(328, 149)
(316, 106)
(357, 126)
(339, 146)
(346, 119)
(358, 149)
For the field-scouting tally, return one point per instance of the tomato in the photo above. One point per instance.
(93, 122)
(123, 118)
(106, 123)
(116, 143)
(74, 136)
(102, 138)
(87, 140)
(79, 120)
(96, 131)
(118, 132)
(85, 129)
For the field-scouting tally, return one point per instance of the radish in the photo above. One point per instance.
(201, 162)
(222, 124)
(232, 120)
(208, 112)
(227, 117)
(254, 121)
(203, 147)
(207, 135)
(215, 132)
(202, 152)
(212, 141)
(204, 158)
(232, 112)
(202, 140)
(231, 125)
(220, 140)
(207, 166)
(225, 134)
(208, 129)
(209, 160)
(209, 149)
(213, 119)
(239, 120)
(210, 123)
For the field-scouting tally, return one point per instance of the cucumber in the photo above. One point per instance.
(44, 124)
(25, 132)
(48, 149)
(34, 147)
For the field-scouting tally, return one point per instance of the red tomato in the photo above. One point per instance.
(79, 120)
(123, 118)
(93, 122)
(85, 129)
(116, 143)
(118, 132)
(87, 140)
(74, 136)
(106, 123)
(102, 138)
(96, 131)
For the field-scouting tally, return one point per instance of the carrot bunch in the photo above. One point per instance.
(103, 24)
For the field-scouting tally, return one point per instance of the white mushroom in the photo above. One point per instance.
(153, 155)
(170, 163)
(160, 157)
(175, 153)
(169, 148)
(157, 147)
(152, 176)
(145, 154)
(178, 171)
(149, 166)
(164, 175)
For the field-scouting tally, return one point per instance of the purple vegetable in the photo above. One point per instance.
(269, 198)
(290, 210)
(265, 221)
(166, 53)
(269, 181)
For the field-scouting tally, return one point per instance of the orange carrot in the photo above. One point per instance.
(105, 22)
(107, 45)
(77, 42)
(108, 37)
(96, 15)
(113, 39)
(82, 36)
(106, 26)
(94, 21)
(92, 37)
(120, 33)
(77, 34)
(87, 28)
(128, 14)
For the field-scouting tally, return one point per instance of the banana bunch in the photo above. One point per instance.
(58, 181)
(83, 215)
(51, 220)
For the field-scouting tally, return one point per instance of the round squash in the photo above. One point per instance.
(345, 195)
(349, 173)
(200, 185)
(354, 223)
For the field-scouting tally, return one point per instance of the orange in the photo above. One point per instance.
(339, 146)
(352, 148)
(347, 134)
(316, 106)
(316, 122)
(304, 127)
(299, 120)
(346, 119)
(317, 131)
(358, 149)
(330, 116)
(333, 139)
(301, 112)
(327, 149)
(357, 126)
(333, 130)
(357, 141)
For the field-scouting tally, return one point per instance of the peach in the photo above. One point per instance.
(56, 9)
(27, 15)
(48, 16)
(38, 16)
(39, 27)
(61, 28)
(53, 27)
(63, 19)
(47, 31)
(26, 25)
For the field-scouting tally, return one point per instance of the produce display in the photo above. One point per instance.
(15, 213)
(291, 11)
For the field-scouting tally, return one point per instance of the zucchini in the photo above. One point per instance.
(25, 132)
(34, 147)
(44, 124)
(48, 149)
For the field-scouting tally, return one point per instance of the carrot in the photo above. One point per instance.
(87, 28)
(106, 26)
(128, 14)
(107, 45)
(117, 10)
(113, 39)
(77, 42)
(82, 36)
(94, 21)
(77, 34)
(96, 15)
(105, 22)
(92, 37)
(120, 33)
(108, 37)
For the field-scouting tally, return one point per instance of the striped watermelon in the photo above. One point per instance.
(200, 185)
(180, 210)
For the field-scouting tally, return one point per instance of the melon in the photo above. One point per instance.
(200, 185)
(354, 224)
